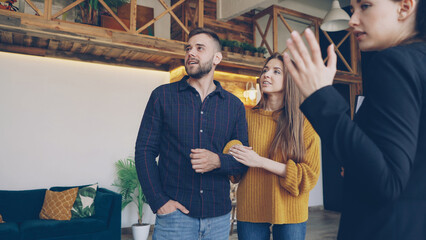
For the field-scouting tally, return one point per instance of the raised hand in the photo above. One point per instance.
(308, 70)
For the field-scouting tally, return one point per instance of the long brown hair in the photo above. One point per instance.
(288, 140)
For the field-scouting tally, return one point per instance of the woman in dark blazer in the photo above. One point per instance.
(383, 150)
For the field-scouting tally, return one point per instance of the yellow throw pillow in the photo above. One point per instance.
(1, 219)
(230, 144)
(57, 205)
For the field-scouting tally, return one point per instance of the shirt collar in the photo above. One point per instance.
(183, 85)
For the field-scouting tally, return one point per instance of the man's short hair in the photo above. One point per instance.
(209, 32)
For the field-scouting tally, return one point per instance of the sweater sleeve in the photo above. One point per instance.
(302, 177)
(236, 178)
(379, 149)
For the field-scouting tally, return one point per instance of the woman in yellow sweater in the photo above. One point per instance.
(284, 161)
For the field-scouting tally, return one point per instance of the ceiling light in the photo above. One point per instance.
(336, 19)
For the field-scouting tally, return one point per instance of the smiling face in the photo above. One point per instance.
(272, 78)
(200, 55)
(377, 23)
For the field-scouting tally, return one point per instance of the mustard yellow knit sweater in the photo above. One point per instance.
(265, 197)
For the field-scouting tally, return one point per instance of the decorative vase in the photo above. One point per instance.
(140, 232)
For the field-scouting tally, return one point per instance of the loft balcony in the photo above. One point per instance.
(151, 34)
(135, 38)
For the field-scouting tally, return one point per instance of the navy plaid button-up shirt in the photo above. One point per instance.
(176, 121)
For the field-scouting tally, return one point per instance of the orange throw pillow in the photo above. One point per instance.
(57, 205)
(1, 219)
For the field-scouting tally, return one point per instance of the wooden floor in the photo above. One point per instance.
(322, 225)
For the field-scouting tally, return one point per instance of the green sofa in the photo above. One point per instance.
(20, 211)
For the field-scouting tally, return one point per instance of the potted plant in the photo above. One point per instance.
(262, 51)
(128, 183)
(246, 48)
(252, 49)
(236, 46)
(226, 45)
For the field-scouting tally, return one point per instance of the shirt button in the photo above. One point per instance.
(201, 130)
(201, 191)
(202, 112)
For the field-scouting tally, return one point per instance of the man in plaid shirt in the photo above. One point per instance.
(187, 124)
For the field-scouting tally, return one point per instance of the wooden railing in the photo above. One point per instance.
(278, 14)
(132, 29)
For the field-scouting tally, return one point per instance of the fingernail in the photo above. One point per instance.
(308, 31)
(289, 41)
(294, 33)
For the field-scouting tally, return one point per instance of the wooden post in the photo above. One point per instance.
(254, 33)
(317, 29)
(200, 13)
(48, 9)
(275, 31)
(133, 16)
(352, 95)
(354, 54)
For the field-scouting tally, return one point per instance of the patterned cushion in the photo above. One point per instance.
(1, 219)
(84, 203)
(57, 205)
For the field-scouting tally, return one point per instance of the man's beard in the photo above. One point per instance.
(201, 71)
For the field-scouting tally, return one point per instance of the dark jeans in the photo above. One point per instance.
(261, 231)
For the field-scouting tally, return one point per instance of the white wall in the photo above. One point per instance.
(316, 196)
(65, 123)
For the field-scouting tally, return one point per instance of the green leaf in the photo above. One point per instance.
(128, 184)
